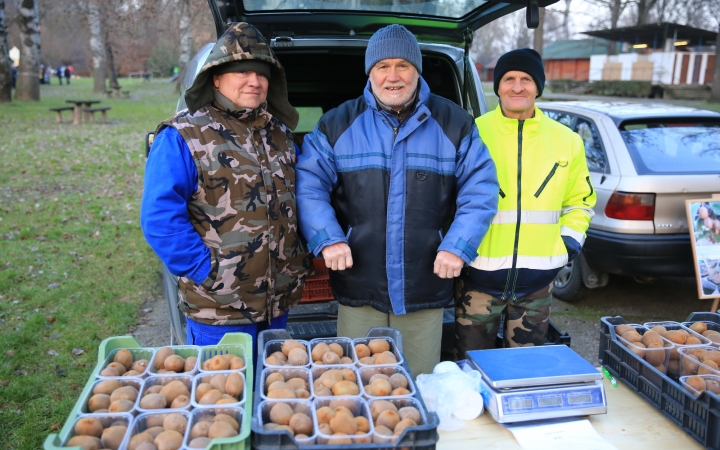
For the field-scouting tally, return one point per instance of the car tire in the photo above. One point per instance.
(568, 285)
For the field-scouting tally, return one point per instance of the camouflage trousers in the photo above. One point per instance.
(478, 316)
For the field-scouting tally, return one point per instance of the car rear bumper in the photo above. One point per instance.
(639, 254)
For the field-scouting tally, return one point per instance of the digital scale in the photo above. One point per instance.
(535, 383)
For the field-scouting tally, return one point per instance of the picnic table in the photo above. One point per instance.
(77, 113)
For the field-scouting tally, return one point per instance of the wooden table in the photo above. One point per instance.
(631, 423)
(77, 113)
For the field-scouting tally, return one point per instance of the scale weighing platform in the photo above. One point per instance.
(536, 383)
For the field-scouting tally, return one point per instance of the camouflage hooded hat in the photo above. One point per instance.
(243, 41)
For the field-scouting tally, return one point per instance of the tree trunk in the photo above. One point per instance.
(715, 92)
(538, 34)
(28, 83)
(110, 61)
(616, 9)
(643, 10)
(96, 47)
(185, 42)
(566, 20)
(5, 64)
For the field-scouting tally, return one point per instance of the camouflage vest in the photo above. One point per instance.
(244, 210)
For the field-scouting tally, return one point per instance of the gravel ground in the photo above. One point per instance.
(665, 299)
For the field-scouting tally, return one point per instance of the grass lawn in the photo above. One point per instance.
(74, 266)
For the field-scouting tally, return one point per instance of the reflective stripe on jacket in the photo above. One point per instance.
(545, 195)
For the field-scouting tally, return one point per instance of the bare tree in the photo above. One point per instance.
(615, 9)
(28, 83)
(539, 32)
(110, 66)
(5, 64)
(97, 49)
(185, 41)
(643, 10)
(715, 90)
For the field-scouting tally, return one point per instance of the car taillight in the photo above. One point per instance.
(631, 206)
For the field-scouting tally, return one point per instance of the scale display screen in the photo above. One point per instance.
(579, 398)
(549, 401)
(520, 403)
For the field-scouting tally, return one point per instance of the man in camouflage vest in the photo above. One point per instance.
(219, 201)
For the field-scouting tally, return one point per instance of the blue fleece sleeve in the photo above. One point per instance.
(477, 198)
(572, 246)
(170, 181)
(316, 177)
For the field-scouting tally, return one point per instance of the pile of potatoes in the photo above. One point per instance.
(123, 365)
(336, 382)
(701, 327)
(223, 362)
(701, 384)
(112, 396)
(646, 346)
(167, 362)
(219, 389)
(276, 386)
(377, 351)
(329, 354)
(293, 353)
(172, 394)
(390, 421)
(209, 427)
(699, 361)
(381, 385)
(91, 435)
(292, 418)
(338, 421)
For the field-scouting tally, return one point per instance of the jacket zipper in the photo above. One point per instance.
(513, 269)
(502, 194)
(591, 188)
(547, 180)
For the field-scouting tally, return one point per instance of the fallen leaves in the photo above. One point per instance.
(77, 351)
(52, 353)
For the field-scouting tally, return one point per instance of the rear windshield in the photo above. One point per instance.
(673, 147)
(448, 9)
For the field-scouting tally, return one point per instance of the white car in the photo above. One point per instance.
(645, 160)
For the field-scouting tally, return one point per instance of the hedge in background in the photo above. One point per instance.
(635, 89)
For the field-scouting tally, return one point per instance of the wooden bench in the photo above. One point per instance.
(91, 112)
(117, 91)
(59, 111)
(109, 93)
(126, 94)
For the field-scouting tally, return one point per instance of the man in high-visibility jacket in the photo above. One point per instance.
(545, 207)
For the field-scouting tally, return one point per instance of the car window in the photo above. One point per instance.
(594, 151)
(673, 146)
(559, 116)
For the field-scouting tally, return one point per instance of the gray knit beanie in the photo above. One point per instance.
(393, 41)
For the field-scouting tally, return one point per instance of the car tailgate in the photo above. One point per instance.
(671, 193)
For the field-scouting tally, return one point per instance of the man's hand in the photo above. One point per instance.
(338, 256)
(447, 265)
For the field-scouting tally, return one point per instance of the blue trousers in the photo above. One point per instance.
(202, 334)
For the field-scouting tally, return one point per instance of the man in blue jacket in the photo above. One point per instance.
(395, 190)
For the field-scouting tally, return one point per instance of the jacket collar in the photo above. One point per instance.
(507, 125)
(422, 96)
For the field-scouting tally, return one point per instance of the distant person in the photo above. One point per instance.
(14, 76)
(146, 74)
(47, 74)
(67, 74)
(59, 73)
(41, 74)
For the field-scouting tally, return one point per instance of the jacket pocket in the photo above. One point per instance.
(209, 282)
(549, 176)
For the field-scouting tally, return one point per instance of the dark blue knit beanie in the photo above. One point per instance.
(524, 60)
(394, 41)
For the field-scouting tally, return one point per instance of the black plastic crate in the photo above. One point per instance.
(698, 417)
(422, 437)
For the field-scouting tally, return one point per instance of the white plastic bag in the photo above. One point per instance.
(453, 391)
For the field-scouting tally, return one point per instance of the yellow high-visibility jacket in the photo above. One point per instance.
(545, 204)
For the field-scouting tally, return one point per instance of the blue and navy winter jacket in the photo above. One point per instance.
(397, 194)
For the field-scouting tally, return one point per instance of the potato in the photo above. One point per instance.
(337, 349)
(140, 366)
(181, 401)
(175, 421)
(280, 413)
(302, 393)
(236, 363)
(174, 389)
(363, 425)
(211, 397)
(655, 357)
(109, 372)
(651, 337)
(98, 402)
(281, 393)
(378, 346)
(218, 382)
(296, 383)
(85, 442)
(217, 362)
(622, 329)
(124, 393)
(221, 429)
(362, 351)
(385, 358)
(410, 412)
(324, 414)
(190, 364)
(301, 423)
(341, 423)
(112, 437)
(330, 377)
(143, 437)
(632, 336)
(124, 357)
(399, 391)
(368, 360)
(291, 344)
(398, 380)
(379, 406)
(378, 376)
(404, 423)
(234, 385)
(330, 358)
(199, 442)
(279, 385)
(153, 401)
(387, 418)
(107, 387)
(345, 387)
(676, 336)
(379, 388)
(200, 429)
(696, 382)
(121, 405)
(154, 389)
(202, 389)
(298, 356)
(273, 377)
(89, 426)
(319, 350)
(708, 367)
(699, 327)
(161, 355)
(229, 419)
(169, 440)
(659, 329)
(174, 363)
(348, 375)
(118, 367)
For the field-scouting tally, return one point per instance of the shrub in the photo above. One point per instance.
(636, 89)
